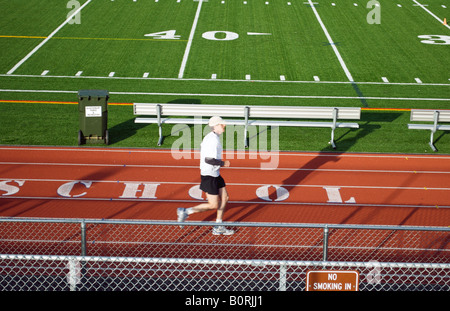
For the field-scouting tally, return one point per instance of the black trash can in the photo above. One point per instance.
(93, 113)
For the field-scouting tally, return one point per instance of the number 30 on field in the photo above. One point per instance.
(435, 39)
(215, 35)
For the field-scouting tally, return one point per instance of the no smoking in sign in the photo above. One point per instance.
(325, 280)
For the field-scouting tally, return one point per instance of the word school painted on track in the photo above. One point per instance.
(110, 190)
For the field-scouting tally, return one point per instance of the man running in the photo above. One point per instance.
(211, 182)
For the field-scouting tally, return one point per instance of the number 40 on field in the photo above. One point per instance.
(221, 35)
(215, 35)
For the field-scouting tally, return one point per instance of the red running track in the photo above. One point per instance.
(333, 188)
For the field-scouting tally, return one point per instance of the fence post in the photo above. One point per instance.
(325, 243)
(83, 238)
(283, 272)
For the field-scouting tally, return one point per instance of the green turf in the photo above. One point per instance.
(111, 38)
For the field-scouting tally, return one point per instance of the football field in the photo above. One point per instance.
(390, 54)
(330, 40)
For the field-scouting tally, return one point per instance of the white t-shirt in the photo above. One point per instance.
(211, 147)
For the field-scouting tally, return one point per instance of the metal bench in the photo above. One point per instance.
(165, 112)
(434, 116)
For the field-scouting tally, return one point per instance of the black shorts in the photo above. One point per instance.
(211, 185)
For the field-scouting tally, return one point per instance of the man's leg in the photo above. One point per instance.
(212, 204)
(220, 229)
(223, 203)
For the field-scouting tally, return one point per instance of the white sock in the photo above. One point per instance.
(189, 211)
(219, 221)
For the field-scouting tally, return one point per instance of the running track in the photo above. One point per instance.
(107, 183)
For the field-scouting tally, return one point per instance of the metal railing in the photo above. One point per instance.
(63, 254)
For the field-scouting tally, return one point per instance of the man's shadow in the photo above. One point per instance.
(343, 143)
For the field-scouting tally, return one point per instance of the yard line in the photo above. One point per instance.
(191, 37)
(431, 13)
(338, 55)
(46, 39)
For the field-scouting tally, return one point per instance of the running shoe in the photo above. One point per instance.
(221, 230)
(182, 215)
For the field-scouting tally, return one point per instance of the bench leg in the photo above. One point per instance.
(160, 140)
(333, 144)
(432, 147)
(332, 139)
(431, 142)
(245, 139)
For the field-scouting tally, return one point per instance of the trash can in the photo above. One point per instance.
(93, 112)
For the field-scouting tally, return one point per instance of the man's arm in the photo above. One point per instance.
(213, 161)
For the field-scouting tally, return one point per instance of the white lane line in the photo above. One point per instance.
(189, 44)
(330, 40)
(323, 170)
(431, 13)
(197, 152)
(321, 204)
(23, 60)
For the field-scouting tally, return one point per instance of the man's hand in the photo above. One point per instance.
(226, 163)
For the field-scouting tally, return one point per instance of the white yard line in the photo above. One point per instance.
(23, 60)
(330, 40)
(191, 37)
(431, 13)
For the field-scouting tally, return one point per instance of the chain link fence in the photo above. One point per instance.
(55, 254)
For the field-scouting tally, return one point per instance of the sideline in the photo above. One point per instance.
(234, 95)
